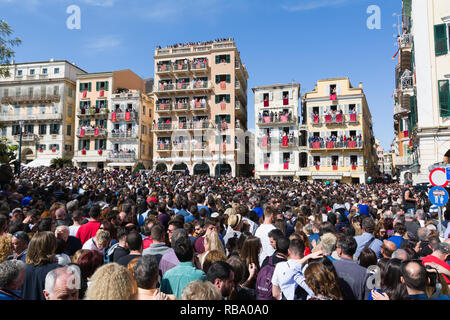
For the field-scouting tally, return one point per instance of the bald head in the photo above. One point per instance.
(60, 214)
(62, 232)
(62, 283)
(400, 254)
(414, 276)
(388, 248)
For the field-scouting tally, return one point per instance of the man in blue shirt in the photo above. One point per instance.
(364, 208)
(365, 239)
(399, 232)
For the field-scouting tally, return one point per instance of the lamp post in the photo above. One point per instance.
(20, 146)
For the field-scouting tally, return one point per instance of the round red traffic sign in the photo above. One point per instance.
(438, 178)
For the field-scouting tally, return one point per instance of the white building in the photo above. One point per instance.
(276, 130)
(42, 94)
(430, 117)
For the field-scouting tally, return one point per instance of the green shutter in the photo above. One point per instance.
(217, 60)
(106, 103)
(88, 144)
(440, 39)
(106, 86)
(228, 78)
(401, 125)
(217, 99)
(80, 147)
(97, 86)
(81, 104)
(228, 118)
(81, 87)
(89, 87)
(228, 98)
(217, 78)
(228, 58)
(217, 119)
(444, 98)
(96, 103)
(96, 144)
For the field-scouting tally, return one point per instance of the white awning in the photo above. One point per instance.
(39, 162)
(120, 164)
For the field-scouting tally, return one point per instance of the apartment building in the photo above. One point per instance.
(110, 115)
(336, 134)
(42, 95)
(422, 108)
(276, 130)
(200, 109)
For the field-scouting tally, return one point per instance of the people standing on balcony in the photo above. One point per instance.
(259, 117)
(203, 102)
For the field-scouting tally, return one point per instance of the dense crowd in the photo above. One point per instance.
(114, 235)
(198, 43)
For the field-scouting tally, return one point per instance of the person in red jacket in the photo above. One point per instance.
(441, 252)
(89, 230)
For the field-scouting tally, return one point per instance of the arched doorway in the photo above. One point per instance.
(161, 167)
(225, 168)
(202, 169)
(180, 167)
(27, 155)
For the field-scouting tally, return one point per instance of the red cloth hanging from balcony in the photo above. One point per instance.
(180, 66)
(96, 132)
(162, 86)
(100, 151)
(286, 165)
(53, 150)
(285, 141)
(84, 94)
(224, 147)
(264, 141)
(339, 118)
(316, 145)
(179, 85)
(197, 104)
(198, 84)
(316, 119)
(353, 117)
(127, 116)
(163, 67)
(266, 166)
(328, 118)
(83, 152)
(330, 144)
(286, 102)
(333, 97)
(102, 93)
(181, 125)
(267, 119)
(406, 134)
(352, 144)
(223, 105)
(335, 167)
(223, 85)
(284, 118)
(180, 145)
(353, 166)
(198, 125)
(41, 150)
(317, 167)
(161, 146)
(113, 116)
(198, 65)
(180, 105)
(199, 145)
(164, 106)
(82, 132)
(266, 103)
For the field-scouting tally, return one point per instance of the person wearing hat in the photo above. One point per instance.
(441, 252)
(234, 229)
(19, 244)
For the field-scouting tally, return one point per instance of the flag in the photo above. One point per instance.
(396, 54)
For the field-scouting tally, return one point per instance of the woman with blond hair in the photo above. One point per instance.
(100, 242)
(212, 242)
(201, 290)
(111, 282)
(322, 281)
(40, 260)
(211, 257)
(5, 246)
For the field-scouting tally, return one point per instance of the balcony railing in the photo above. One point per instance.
(327, 145)
(180, 146)
(164, 68)
(334, 119)
(92, 112)
(195, 85)
(180, 106)
(31, 117)
(406, 40)
(277, 120)
(163, 107)
(283, 142)
(26, 137)
(91, 132)
(399, 110)
(199, 66)
(198, 106)
(162, 146)
(407, 82)
(196, 48)
(162, 127)
(287, 141)
(121, 156)
(122, 135)
(180, 67)
(31, 99)
(124, 116)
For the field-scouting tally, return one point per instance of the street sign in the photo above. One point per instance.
(438, 177)
(438, 196)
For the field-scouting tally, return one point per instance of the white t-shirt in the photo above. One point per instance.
(90, 245)
(263, 234)
(288, 280)
(73, 230)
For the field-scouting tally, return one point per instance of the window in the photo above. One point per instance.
(42, 109)
(17, 91)
(55, 90)
(444, 98)
(42, 129)
(44, 71)
(143, 110)
(31, 71)
(85, 86)
(69, 110)
(15, 129)
(223, 97)
(102, 85)
(143, 149)
(354, 160)
(224, 58)
(70, 92)
(28, 128)
(54, 147)
(317, 160)
(440, 39)
(223, 78)
(5, 92)
(100, 144)
(30, 91)
(54, 128)
(83, 144)
(4, 131)
(41, 146)
(69, 130)
(19, 72)
(56, 71)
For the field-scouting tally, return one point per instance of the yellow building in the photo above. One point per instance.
(337, 138)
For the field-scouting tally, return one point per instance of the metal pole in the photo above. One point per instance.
(440, 220)
(220, 148)
(20, 148)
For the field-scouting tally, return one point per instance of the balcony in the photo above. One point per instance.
(180, 107)
(161, 127)
(399, 110)
(335, 145)
(191, 87)
(46, 98)
(199, 67)
(287, 142)
(180, 146)
(120, 136)
(31, 117)
(91, 132)
(334, 119)
(194, 49)
(201, 125)
(338, 119)
(180, 68)
(164, 68)
(121, 156)
(124, 116)
(406, 40)
(92, 112)
(199, 146)
(285, 119)
(198, 106)
(403, 161)
(161, 146)
(26, 137)
(240, 90)
(407, 84)
(163, 107)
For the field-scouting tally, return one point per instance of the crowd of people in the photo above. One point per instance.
(198, 43)
(114, 235)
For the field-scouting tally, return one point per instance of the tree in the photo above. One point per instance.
(61, 162)
(139, 166)
(6, 47)
(7, 152)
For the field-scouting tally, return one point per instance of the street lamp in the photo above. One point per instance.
(20, 146)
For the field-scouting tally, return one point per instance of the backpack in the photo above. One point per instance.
(264, 282)
(109, 254)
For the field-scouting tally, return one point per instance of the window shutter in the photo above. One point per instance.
(228, 58)
(80, 146)
(444, 98)
(358, 108)
(341, 161)
(228, 98)
(217, 99)
(228, 78)
(270, 96)
(218, 139)
(292, 158)
(310, 161)
(228, 118)
(81, 104)
(106, 85)
(217, 60)
(320, 111)
(281, 157)
(106, 103)
(96, 144)
(97, 86)
(338, 89)
(321, 134)
(217, 78)
(346, 108)
(217, 119)
(81, 87)
(440, 39)
(96, 103)
(89, 87)
(291, 94)
(401, 124)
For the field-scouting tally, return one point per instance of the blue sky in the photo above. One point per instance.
(279, 41)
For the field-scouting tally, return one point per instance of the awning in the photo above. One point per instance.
(120, 164)
(39, 162)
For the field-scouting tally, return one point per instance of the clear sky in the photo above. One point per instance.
(279, 40)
